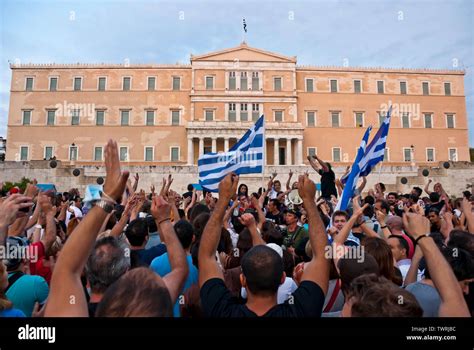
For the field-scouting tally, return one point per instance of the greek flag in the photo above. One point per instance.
(245, 157)
(375, 151)
(354, 174)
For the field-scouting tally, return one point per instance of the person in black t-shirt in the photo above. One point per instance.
(273, 213)
(328, 178)
(262, 268)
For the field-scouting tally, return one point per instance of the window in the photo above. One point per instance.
(77, 84)
(255, 81)
(175, 117)
(98, 154)
(333, 83)
(407, 154)
(209, 115)
(244, 114)
(123, 154)
(310, 118)
(75, 116)
(72, 153)
(447, 89)
(174, 154)
(380, 87)
(126, 83)
(53, 84)
(311, 151)
(359, 119)
(453, 154)
(232, 81)
(50, 117)
(381, 118)
(428, 121)
(149, 154)
(403, 87)
(255, 111)
(430, 155)
(232, 112)
(209, 83)
(26, 118)
(278, 115)
(450, 121)
(151, 83)
(102, 84)
(386, 155)
(405, 120)
(24, 153)
(48, 152)
(309, 85)
(99, 117)
(29, 84)
(277, 83)
(336, 154)
(244, 86)
(335, 119)
(124, 118)
(150, 118)
(176, 83)
(357, 86)
(426, 88)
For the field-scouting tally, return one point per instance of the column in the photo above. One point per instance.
(201, 146)
(214, 145)
(276, 151)
(190, 151)
(226, 144)
(299, 152)
(288, 151)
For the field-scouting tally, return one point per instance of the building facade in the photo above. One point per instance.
(170, 114)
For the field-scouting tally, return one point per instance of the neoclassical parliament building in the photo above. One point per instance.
(169, 114)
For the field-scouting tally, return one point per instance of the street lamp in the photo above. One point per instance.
(412, 150)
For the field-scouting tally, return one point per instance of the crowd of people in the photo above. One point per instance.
(276, 252)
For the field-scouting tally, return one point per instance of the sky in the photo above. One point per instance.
(434, 34)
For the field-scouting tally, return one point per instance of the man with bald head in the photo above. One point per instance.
(395, 225)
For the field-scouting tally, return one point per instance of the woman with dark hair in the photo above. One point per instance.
(382, 253)
(243, 190)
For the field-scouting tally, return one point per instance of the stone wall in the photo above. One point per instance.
(457, 178)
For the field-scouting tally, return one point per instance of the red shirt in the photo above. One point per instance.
(38, 267)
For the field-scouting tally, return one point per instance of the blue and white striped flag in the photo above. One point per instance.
(245, 157)
(375, 151)
(354, 174)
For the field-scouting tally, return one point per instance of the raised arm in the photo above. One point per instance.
(49, 211)
(362, 184)
(452, 299)
(313, 164)
(10, 210)
(208, 267)
(67, 296)
(258, 208)
(248, 221)
(179, 267)
(322, 163)
(427, 187)
(412, 273)
(288, 182)
(317, 270)
(466, 208)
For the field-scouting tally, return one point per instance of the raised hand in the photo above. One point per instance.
(115, 180)
(415, 224)
(160, 208)
(228, 187)
(247, 220)
(306, 188)
(11, 207)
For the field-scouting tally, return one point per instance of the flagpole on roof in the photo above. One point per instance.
(244, 29)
